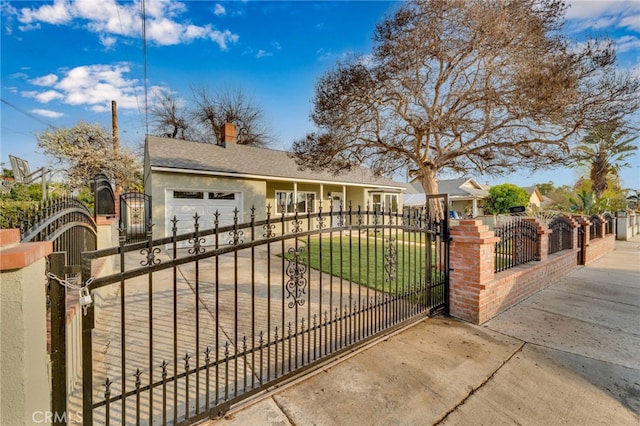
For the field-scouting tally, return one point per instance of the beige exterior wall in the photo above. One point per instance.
(253, 193)
(258, 193)
(357, 195)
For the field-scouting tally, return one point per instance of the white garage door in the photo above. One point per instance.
(185, 204)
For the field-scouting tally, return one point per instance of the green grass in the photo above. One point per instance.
(362, 261)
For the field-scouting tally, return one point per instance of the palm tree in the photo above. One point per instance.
(583, 203)
(605, 151)
(634, 199)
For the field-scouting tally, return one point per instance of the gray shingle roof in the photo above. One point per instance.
(246, 160)
(456, 189)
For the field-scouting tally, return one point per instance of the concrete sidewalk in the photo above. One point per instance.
(569, 355)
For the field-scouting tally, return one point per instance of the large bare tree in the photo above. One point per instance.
(230, 106)
(481, 86)
(201, 118)
(170, 116)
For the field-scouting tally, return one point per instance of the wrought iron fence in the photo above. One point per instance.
(206, 319)
(595, 229)
(610, 223)
(561, 237)
(66, 221)
(518, 243)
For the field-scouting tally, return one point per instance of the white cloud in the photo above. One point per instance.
(93, 86)
(263, 53)
(603, 14)
(627, 43)
(107, 41)
(632, 22)
(324, 55)
(58, 13)
(46, 80)
(47, 113)
(219, 10)
(107, 18)
(43, 97)
(223, 38)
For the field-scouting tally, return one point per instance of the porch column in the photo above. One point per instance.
(344, 196)
(321, 199)
(295, 194)
(474, 207)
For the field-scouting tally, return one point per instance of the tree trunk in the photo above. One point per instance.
(430, 187)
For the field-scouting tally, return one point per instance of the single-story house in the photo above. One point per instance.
(184, 178)
(535, 197)
(465, 195)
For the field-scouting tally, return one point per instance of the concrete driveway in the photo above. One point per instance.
(569, 355)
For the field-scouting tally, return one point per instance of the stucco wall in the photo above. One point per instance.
(24, 377)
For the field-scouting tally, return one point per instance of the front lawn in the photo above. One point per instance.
(364, 260)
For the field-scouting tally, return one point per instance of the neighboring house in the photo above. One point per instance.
(184, 178)
(536, 200)
(465, 195)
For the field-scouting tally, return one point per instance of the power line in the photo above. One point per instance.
(144, 65)
(126, 52)
(27, 113)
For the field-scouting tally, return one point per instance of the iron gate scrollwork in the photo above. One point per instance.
(297, 283)
(135, 215)
(243, 307)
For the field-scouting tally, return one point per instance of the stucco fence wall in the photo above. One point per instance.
(627, 225)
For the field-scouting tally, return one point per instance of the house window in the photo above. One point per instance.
(191, 195)
(388, 201)
(304, 202)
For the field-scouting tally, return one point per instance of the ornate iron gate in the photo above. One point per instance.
(135, 215)
(197, 327)
(70, 226)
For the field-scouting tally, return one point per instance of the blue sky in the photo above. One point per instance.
(65, 60)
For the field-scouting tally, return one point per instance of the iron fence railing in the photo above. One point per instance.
(561, 237)
(66, 221)
(595, 229)
(610, 223)
(206, 319)
(518, 243)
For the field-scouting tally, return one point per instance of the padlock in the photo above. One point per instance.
(85, 297)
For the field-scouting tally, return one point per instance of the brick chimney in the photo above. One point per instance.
(229, 134)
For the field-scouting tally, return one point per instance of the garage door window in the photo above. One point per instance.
(190, 195)
(222, 196)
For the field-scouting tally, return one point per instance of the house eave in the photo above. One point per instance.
(398, 188)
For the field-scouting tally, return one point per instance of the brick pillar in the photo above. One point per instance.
(543, 237)
(472, 261)
(603, 226)
(584, 223)
(574, 232)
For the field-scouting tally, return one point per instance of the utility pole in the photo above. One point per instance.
(116, 149)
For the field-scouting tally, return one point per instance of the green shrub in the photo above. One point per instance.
(11, 209)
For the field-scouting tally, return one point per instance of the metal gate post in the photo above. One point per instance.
(88, 324)
(57, 296)
(447, 242)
